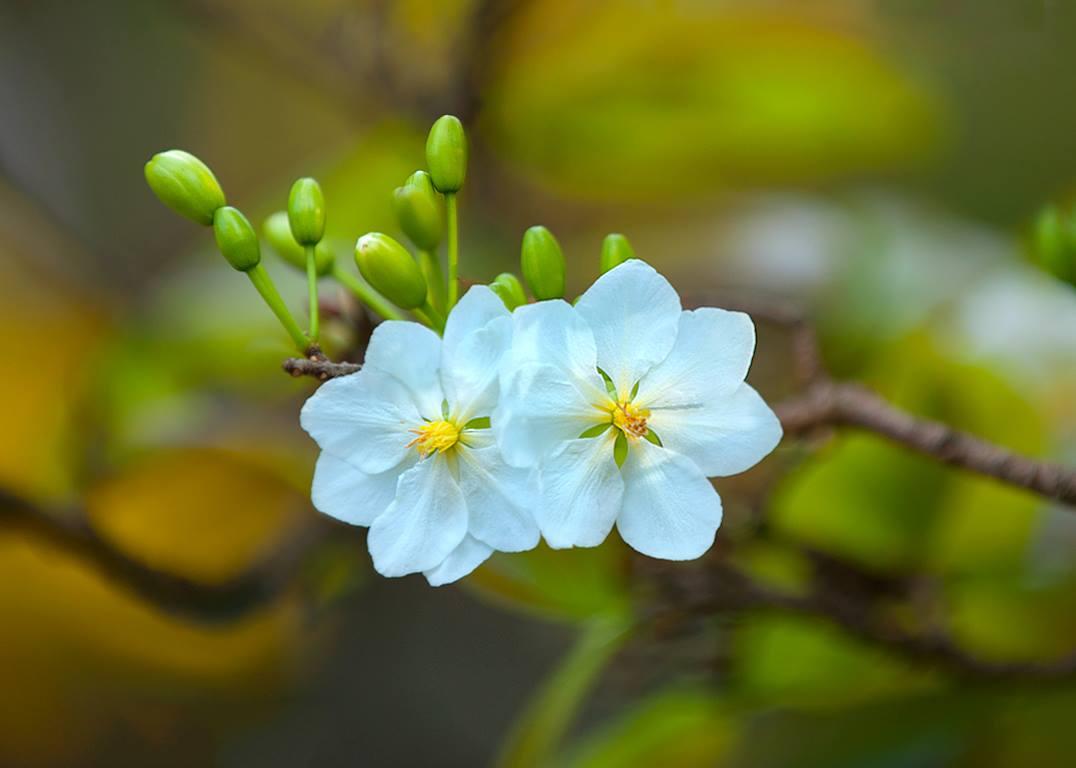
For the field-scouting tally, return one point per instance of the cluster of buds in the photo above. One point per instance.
(395, 283)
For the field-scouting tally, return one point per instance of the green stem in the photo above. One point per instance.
(435, 279)
(261, 280)
(537, 734)
(430, 316)
(367, 295)
(312, 288)
(453, 251)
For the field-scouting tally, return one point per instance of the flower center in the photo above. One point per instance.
(435, 437)
(630, 419)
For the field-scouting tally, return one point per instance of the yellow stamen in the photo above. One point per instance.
(435, 437)
(630, 419)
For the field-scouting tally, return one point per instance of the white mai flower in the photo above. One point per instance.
(407, 449)
(625, 404)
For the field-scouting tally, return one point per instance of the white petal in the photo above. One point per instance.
(425, 522)
(470, 373)
(580, 491)
(349, 494)
(710, 358)
(470, 554)
(363, 418)
(478, 307)
(540, 409)
(723, 437)
(498, 500)
(670, 510)
(412, 353)
(633, 313)
(552, 333)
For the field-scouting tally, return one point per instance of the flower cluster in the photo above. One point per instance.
(558, 419)
(485, 423)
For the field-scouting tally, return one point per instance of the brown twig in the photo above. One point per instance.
(836, 404)
(209, 603)
(826, 403)
(322, 370)
(724, 589)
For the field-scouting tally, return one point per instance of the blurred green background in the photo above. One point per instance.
(876, 162)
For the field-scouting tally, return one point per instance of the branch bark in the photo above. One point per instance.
(724, 589)
(206, 603)
(835, 404)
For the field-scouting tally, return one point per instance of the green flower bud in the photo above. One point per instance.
(418, 209)
(389, 268)
(1053, 242)
(306, 212)
(446, 154)
(236, 239)
(185, 184)
(543, 264)
(507, 286)
(615, 250)
(277, 232)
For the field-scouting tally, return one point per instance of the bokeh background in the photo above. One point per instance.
(876, 162)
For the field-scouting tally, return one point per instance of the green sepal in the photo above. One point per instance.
(620, 449)
(610, 387)
(596, 430)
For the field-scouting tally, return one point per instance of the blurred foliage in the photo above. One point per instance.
(751, 96)
(574, 585)
(142, 373)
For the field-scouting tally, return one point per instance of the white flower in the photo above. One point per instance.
(407, 449)
(626, 366)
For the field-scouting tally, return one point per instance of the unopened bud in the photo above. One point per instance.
(446, 154)
(185, 184)
(1053, 242)
(615, 250)
(277, 232)
(236, 239)
(543, 264)
(389, 268)
(418, 209)
(306, 212)
(507, 286)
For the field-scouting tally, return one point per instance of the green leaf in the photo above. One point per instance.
(750, 95)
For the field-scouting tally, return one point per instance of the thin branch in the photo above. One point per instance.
(834, 404)
(207, 603)
(320, 369)
(825, 403)
(726, 589)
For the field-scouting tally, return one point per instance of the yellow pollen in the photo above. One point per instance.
(437, 436)
(630, 419)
